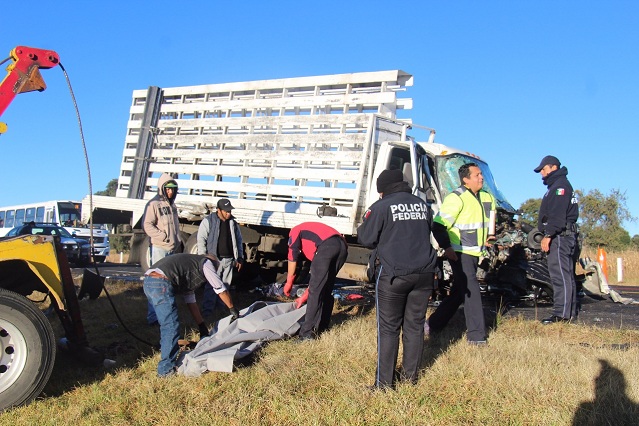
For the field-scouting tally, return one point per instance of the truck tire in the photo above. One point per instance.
(184, 237)
(27, 345)
(190, 246)
(145, 254)
(539, 277)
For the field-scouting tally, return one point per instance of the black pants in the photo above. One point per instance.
(329, 259)
(561, 267)
(465, 289)
(401, 305)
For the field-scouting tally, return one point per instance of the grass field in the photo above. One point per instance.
(529, 374)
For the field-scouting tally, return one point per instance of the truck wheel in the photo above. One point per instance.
(27, 350)
(539, 278)
(184, 237)
(191, 244)
(145, 254)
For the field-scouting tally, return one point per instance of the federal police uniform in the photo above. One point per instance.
(398, 227)
(558, 216)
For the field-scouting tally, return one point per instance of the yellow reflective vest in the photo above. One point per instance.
(466, 216)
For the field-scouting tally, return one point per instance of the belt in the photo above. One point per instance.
(571, 228)
(154, 274)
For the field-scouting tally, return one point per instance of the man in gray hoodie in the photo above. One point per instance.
(161, 224)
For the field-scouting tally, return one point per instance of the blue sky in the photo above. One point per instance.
(511, 81)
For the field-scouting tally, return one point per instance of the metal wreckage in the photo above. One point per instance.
(515, 267)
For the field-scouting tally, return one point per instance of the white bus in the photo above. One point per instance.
(63, 213)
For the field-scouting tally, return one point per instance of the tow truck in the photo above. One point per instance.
(29, 264)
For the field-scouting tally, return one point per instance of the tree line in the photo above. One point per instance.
(600, 218)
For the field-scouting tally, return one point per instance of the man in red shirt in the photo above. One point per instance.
(327, 250)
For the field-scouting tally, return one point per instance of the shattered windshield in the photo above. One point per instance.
(448, 177)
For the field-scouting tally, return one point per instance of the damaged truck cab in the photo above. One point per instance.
(514, 266)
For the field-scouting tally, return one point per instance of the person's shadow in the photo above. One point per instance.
(611, 405)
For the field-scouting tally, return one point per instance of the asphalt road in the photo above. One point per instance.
(114, 271)
(599, 312)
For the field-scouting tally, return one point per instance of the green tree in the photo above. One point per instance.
(529, 211)
(634, 242)
(601, 217)
(112, 186)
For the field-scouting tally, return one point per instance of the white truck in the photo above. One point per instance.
(284, 152)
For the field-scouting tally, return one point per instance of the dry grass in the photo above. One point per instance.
(529, 375)
(630, 262)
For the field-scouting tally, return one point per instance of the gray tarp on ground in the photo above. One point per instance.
(259, 323)
(596, 283)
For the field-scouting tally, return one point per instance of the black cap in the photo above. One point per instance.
(548, 160)
(388, 177)
(224, 204)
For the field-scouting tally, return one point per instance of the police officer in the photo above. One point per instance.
(557, 220)
(462, 229)
(398, 227)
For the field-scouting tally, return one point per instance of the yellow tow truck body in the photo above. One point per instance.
(37, 252)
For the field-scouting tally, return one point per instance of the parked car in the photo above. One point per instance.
(76, 249)
(101, 245)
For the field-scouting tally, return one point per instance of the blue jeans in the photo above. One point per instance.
(157, 253)
(160, 295)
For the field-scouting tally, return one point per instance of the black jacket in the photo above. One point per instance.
(559, 209)
(399, 227)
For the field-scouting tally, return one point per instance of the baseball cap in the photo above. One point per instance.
(547, 160)
(171, 184)
(224, 204)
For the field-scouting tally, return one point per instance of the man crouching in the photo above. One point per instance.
(181, 273)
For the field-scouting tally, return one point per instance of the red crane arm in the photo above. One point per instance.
(24, 73)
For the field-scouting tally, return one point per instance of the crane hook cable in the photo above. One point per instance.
(91, 245)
